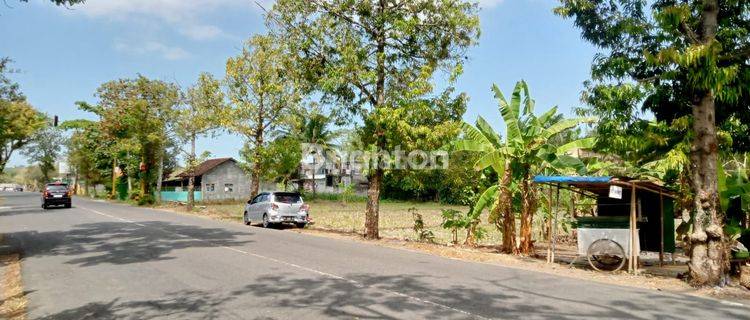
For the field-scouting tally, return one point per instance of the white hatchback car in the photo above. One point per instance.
(274, 208)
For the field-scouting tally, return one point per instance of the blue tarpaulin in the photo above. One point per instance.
(571, 179)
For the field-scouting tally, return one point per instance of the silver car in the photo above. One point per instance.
(275, 208)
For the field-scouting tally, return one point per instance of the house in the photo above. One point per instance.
(331, 174)
(215, 180)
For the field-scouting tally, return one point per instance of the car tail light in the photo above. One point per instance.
(274, 206)
(305, 207)
(47, 193)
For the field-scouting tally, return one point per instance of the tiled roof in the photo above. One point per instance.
(206, 166)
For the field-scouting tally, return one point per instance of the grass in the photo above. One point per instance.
(395, 219)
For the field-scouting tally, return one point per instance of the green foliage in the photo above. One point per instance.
(263, 91)
(655, 60)
(347, 192)
(530, 145)
(423, 234)
(281, 158)
(19, 122)
(44, 149)
(377, 60)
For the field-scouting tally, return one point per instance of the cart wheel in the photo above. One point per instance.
(606, 255)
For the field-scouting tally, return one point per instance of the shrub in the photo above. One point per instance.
(146, 200)
(419, 228)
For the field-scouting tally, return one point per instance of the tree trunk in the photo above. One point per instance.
(191, 178)
(159, 176)
(528, 194)
(708, 256)
(255, 172)
(372, 230)
(504, 205)
(114, 178)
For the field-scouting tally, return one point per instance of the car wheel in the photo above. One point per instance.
(68, 205)
(301, 225)
(266, 223)
(44, 206)
(245, 219)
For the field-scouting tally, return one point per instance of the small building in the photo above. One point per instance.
(630, 214)
(329, 175)
(215, 180)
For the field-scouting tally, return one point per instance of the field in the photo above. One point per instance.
(395, 219)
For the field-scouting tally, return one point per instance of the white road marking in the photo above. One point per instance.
(296, 266)
(732, 303)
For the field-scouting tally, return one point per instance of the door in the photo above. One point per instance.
(252, 208)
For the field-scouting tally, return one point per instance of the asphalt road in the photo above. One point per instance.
(105, 261)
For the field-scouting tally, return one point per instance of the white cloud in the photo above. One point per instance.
(182, 15)
(151, 48)
(202, 32)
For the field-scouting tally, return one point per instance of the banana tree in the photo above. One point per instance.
(529, 147)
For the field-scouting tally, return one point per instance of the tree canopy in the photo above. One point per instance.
(370, 57)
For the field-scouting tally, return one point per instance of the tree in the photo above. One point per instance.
(19, 121)
(87, 151)
(368, 56)
(262, 91)
(44, 150)
(528, 149)
(9, 90)
(689, 58)
(308, 126)
(138, 110)
(198, 117)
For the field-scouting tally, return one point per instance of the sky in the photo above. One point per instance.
(64, 54)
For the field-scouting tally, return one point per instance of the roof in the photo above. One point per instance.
(205, 167)
(600, 184)
(571, 179)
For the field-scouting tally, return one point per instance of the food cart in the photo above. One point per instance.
(631, 215)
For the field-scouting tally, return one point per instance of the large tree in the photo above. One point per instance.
(44, 150)
(139, 110)
(369, 56)
(19, 121)
(690, 58)
(198, 117)
(262, 90)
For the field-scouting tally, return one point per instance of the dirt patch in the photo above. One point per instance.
(14, 302)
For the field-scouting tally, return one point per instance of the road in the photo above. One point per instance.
(107, 261)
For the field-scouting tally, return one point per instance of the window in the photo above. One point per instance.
(287, 197)
(210, 187)
(228, 187)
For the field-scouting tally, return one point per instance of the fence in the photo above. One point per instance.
(179, 196)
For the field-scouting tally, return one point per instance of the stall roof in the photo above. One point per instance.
(600, 184)
(571, 179)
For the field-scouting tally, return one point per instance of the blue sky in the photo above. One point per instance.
(65, 54)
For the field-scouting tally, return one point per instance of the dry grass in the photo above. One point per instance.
(395, 219)
(14, 300)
